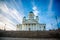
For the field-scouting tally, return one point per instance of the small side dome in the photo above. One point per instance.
(24, 17)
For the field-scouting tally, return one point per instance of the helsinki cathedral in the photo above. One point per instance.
(31, 23)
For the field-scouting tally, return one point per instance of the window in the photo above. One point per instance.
(44, 27)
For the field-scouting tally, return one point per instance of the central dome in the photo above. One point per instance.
(30, 12)
(31, 15)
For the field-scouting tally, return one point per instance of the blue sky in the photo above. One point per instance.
(12, 12)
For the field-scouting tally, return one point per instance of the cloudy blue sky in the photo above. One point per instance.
(12, 12)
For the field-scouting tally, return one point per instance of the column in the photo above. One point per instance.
(28, 27)
(40, 28)
(36, 26)
(33, 26)
(25, 27)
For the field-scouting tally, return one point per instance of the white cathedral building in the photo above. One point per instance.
(31, 23)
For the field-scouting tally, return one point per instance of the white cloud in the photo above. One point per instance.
(50, 12)
(50, 16)
(34, 8)
(58, 19)
(3, 18)
(9, 23)
(18, 16)
(1, 25)
(13, 13)
(50, 5)
(35, 11)
(4, 7)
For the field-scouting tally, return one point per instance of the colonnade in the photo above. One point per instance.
(32, 27)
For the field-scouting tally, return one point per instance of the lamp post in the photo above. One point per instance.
(4, 27)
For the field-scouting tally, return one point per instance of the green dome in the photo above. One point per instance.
(30, 12)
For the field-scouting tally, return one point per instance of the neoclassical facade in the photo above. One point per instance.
(31, 23)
